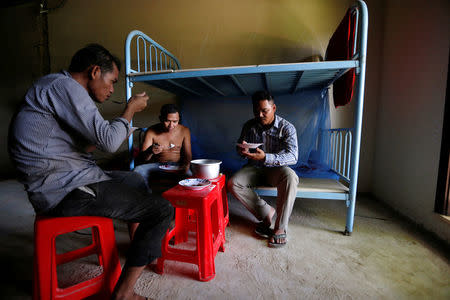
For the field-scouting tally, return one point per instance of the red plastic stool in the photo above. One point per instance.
(45, 281)
(187, 217)
(208, 214)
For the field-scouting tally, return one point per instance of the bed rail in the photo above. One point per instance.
(355, 11)
(339, 144)
(150, 56)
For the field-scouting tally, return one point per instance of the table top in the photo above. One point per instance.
(181, 192)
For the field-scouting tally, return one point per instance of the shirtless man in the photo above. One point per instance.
(166, 143)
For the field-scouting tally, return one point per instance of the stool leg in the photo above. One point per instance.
(218, 219)
(222, 183)
(204, 245)
(226, 214)
(108, 255)
(45, 280)
(220, 222)
(181, 225)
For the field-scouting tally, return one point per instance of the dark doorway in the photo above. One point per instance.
(442, 189)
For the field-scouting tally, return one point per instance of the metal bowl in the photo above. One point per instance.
(205, 168)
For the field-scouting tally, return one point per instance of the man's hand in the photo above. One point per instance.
(241, 150)
(137, 103)
(157, 148)
(245, 152)
(258, 155)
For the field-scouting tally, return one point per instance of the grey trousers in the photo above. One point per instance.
(243, 182)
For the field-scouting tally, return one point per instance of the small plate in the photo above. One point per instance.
(249, 145)
(194, 183)
(170, 168)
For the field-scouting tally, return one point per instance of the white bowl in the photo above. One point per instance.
(205, 168)
(194, 183)
(249, 145)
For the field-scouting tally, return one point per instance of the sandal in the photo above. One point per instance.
(277, 237)
(263, 230)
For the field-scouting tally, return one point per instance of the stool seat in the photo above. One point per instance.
(46, 259)
(207, 207)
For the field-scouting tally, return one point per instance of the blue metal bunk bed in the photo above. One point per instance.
(156, 66)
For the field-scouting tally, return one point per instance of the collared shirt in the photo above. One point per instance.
(279, 141)
(49, 137)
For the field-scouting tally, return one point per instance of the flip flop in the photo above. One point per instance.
(276, 237)
(263, 230)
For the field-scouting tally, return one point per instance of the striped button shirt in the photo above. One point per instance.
(50, 134)
(279, 142)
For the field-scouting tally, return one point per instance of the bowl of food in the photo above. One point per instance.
(194, 183)
(249, 145)
(205, 168)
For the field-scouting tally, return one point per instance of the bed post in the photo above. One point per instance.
(361, 70)
(128, 87)
(169, 63)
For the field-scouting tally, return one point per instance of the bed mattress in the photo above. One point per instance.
(313, 188)
(245, 80)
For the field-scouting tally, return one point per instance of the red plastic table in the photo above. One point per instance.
(186, 216)
(207, 220)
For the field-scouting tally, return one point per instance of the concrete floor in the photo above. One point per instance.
(385, 258)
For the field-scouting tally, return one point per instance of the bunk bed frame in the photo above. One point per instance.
(158, 67)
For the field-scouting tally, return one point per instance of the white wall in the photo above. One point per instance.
(410, 111)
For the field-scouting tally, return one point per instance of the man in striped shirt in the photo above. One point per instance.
(51, 138)
(268, 164)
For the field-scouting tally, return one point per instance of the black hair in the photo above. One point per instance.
(262, 95)
(168, 109)
(93, 54)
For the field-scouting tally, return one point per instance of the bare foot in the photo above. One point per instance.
(138, 297)
(278, 241)
(124, 289)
